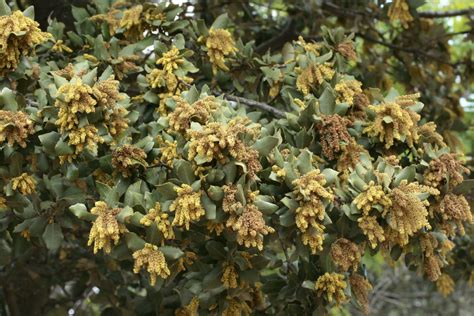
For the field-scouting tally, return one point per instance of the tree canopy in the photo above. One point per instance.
(229, 158)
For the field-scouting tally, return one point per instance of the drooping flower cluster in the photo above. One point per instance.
(19, 35)
(24, 183)
(431, 262)
(106, 230)
(171, 60)
(229, 276)
(310, 194)
(331, 286)
(373, 195)
(345, 254)
(394, 121)
(313, 76)
(128, 158)
(400, 10)
(216, 141)
(372, 229)
(250, 227)
(187, 206)
(160, 219)
(220, 44)
(168, 152)
(334, 134)
(360, 288)
(445, 284)
(455, 210)
(153, 261)
(15, 127)
(446, 169)
(346, 91)
(180, 119)
(408, 214)
(76, 99)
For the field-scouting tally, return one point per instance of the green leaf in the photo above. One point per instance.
(265, 145)
(184, 171)
(29, 12)
(221, 22)
(4, 8)
(265, 207)
(80, 210)
(8, 100)
(327, 102)
(63, 148)
(216, 250)
(53, 236)
(171, 253)
(133, 241)
(167, 191)
(49, 141)
(408, 173)
(209, 206)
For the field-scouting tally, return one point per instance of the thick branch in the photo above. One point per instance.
(446, 14)
(254, 104)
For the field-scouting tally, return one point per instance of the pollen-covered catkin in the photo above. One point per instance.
(153, 261)
(106, 229)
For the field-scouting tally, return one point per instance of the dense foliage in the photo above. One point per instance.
(151, 164)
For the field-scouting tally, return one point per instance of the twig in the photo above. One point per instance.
(253, 104)
(446, 14)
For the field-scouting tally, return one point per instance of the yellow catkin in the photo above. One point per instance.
(133, 24)
(360, 288)
(107, 92)
(346, 90)
(250, 227)
(408, 214)
(128, 158)
(18, 38)
(153, 261)
(106, 230)
(372, 229)
(187, 206)
(237, 308)
(160, 219)
(216, 141)
(25, 184)
(168, 152)
(85, 137)
(220, 45)
(445, 285)
(189, 310)
(15, 127)
(400, 10)
(345, 254)
(431, 263)
(402, 125)
(229, 276)
(3, 203)
(446, 167)
(455, 208)
(334, 134)
(180, 119)
(314, 74)
(60, 47)
(310, 193)
(331, 286)
(371, 196)
(171, 60)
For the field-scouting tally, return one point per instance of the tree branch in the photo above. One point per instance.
(405, 49)
(253, 104)
(446, 14)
